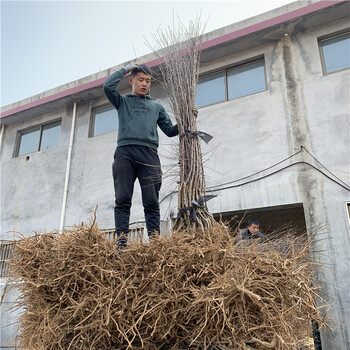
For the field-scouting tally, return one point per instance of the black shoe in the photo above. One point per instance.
(121, 245)
(153, 235)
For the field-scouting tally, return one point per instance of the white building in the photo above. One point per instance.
(274, 94)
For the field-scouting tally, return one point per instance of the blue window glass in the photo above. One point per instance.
(105, 120)
(29, 141)
(50, 136)
(246, 80)
(336, 53)
(39, 138)
(211, 89)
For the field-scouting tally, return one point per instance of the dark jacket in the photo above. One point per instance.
(245, 234)
(138, 115)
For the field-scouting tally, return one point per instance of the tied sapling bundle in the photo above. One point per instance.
(178, 50)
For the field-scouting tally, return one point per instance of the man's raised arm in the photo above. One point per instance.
(111, 84)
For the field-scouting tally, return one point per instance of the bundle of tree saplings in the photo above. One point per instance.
(178, 50)
(193, 290)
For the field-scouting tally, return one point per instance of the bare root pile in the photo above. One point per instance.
(193, 290)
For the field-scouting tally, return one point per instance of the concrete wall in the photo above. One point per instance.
(301, 107)
(9, 315)
(32, 190)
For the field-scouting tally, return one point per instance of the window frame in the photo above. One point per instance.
(320, 48)
(237, 65)
(93, 112)
(347, 208)
(225, 84)
(30, 129)
(243, 65)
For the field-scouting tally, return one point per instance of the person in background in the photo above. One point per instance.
(252, 232)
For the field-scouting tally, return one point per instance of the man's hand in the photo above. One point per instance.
(130, 67)
(195, 110)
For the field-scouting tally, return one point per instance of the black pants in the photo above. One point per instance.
(131, 162)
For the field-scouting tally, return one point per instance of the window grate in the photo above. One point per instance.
(6, 250)
(134, 233)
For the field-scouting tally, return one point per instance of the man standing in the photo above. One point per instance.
(251, 232)
(136, 153)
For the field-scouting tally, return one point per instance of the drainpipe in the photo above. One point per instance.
(70, 149)
(1, 137)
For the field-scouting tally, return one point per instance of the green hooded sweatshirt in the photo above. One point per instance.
(138, 115)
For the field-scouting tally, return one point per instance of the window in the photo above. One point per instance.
(29, 142)
(104, 120)
(246, 80)
(235, 82)
(335, 53)
(211, 89)
(39, 138)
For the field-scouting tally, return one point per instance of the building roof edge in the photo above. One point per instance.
(313, 7)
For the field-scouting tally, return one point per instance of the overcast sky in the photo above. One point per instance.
(45, 44)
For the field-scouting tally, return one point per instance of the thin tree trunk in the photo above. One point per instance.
(180, 55)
